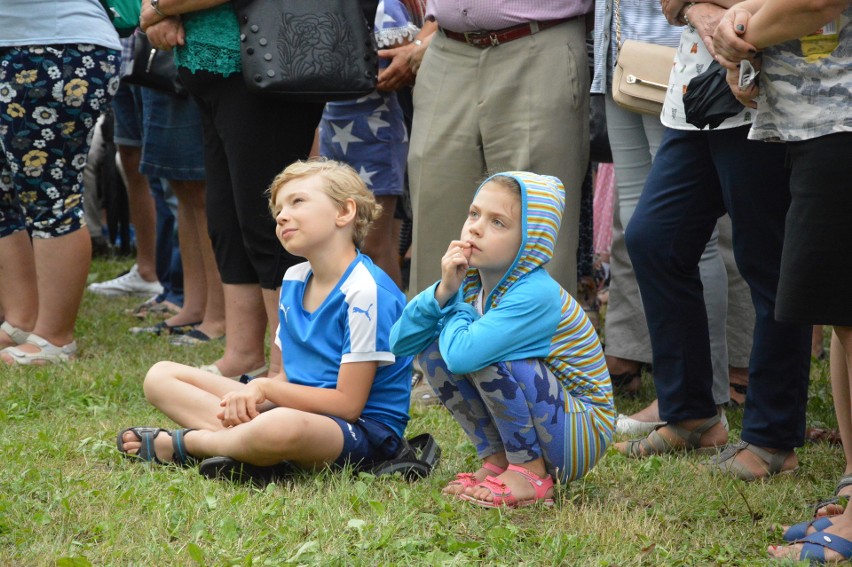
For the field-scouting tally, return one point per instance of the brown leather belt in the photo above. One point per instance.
(486, 38)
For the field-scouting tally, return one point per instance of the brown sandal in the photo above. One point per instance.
(656, 444)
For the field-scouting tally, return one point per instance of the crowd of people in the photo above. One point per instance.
(289, 218)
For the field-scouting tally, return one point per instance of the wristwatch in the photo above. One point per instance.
(155, 5)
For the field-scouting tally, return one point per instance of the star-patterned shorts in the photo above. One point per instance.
(369, 134)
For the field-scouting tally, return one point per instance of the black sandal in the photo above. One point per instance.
(146, 453)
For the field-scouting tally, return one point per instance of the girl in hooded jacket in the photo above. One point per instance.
(510, 353)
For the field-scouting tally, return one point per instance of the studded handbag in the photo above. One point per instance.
(307, 50)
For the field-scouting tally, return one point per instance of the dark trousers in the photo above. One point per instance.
(248, 140)
(695, 178)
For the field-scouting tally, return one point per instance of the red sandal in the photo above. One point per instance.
(503, 497)
(466, 479)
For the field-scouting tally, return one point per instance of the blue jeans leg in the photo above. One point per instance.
(670, 228)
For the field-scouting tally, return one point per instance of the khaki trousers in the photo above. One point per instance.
(521, 105)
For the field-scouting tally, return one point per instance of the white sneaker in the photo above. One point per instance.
(130, 283)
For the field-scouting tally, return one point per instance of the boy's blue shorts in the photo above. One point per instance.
(366, 441)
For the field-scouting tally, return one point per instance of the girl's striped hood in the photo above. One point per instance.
(542, 204)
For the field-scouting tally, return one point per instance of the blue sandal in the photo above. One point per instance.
(147, 435)
(800, 530)
(815, 545)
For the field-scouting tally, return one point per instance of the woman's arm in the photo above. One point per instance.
(149, 16)
(347, 401)
(779, 21)
(756, 24)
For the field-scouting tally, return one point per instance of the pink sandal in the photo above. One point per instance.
(466, 479)
(503, 496)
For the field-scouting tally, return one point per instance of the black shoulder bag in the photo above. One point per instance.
(308, 50)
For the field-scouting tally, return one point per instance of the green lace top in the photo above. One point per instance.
(212, 41)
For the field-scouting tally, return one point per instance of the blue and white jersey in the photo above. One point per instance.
(352, 325)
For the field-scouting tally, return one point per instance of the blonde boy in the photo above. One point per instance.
(342, 396)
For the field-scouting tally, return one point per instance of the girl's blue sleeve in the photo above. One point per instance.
(420, 323)
(520, 327)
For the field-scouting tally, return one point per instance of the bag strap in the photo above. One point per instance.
(416, 459)
(616, 13)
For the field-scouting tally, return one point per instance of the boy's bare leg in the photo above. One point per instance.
(280, 434)
(187, 395)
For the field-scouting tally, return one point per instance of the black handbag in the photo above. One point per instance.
(307, 50)
(153, 68)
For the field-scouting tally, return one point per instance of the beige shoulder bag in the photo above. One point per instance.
(642, 71)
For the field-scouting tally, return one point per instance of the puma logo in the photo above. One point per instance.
(366, 311)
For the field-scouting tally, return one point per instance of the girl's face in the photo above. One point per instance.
(306, 216)
(493, 229)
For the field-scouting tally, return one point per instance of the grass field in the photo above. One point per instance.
(68, 498)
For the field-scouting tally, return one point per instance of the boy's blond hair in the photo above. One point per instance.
(341, 183)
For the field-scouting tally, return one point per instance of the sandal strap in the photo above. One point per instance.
(540, 484)
(800, 530)
(493, 468)
(146, 437)
(18, 335)
(774, 461)
(180, 456)
(815, 545)
(845, 480)
(692, 438)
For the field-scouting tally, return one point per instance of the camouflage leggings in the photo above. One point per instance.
(520, 408)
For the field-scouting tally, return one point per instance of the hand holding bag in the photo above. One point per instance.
(152, 68)
(641, 76)
(307, 50)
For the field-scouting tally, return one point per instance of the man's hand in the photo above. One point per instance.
(704, 17)
(454, 266)
(167, 33)
(398, 73)
(728, 45)
(240, 406)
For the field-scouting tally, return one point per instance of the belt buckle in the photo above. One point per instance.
(478, 38)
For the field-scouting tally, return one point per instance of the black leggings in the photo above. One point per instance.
(248, 140)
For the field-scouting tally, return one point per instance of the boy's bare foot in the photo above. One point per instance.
(162, 445)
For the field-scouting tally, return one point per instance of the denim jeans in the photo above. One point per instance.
(697, 177)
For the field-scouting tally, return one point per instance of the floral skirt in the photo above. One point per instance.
(50, 99)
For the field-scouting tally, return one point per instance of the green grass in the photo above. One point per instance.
(68, 498)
